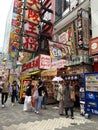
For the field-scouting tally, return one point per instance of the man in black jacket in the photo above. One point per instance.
(28, 96)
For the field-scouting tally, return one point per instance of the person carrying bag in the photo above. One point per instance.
(34, 94)
(28, 96)
(72, 95)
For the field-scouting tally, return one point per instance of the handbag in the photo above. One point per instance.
(33, 102)
(72, 95)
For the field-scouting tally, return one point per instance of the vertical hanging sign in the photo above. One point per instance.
(83, 29)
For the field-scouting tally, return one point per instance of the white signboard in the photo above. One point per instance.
(45, 62)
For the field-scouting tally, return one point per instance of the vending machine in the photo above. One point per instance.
(91, 93)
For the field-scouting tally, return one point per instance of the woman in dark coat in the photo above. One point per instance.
(68, 103)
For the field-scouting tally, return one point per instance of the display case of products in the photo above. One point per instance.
(92, 82)
(91, 94)
(49, 87)
(82, 94)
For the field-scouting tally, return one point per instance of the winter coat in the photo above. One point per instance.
(5, 88)
(67, 101)
(60, 93)
(29, 90)
(14, 89)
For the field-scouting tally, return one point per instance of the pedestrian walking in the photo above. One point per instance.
(5, 92)
(28, 93)
(38, 102)
(68, 101)
(34, 94)
(14, 90)
(60, 98)
(45, 96)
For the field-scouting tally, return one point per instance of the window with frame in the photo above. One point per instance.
(65, 7)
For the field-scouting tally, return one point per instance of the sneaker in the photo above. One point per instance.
(67, 116)
(3, 106)
(72, 117)
(37, 112)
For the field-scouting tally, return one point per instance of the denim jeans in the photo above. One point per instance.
(38, 103)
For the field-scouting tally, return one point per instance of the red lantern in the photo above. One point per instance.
(20, 4)
(16, 44)
(17, 30)
(18, 23)
(16, 37)
(19, 10)
(18, 17)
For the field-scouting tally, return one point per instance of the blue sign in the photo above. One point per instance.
(91, 93)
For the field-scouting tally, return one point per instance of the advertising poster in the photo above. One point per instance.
(58, 50)
(91, 87)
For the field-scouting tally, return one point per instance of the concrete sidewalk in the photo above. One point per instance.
(13, 118)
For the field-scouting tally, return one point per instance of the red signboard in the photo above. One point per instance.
(32, 16)
(30, 43)
(58, 50)
(31, 29)
(94, 46)
(31, 65)
(33, 4)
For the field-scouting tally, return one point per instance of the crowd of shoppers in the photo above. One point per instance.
(7, 89)
(5, 92)
(37, 95)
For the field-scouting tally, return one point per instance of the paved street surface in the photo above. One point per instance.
(13, 118)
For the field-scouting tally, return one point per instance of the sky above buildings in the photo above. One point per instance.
(4, 9)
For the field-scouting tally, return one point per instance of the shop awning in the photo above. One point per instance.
(49, 72)
(34, 72)
(28, 74)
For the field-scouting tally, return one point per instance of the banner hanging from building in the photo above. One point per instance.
(83, 29)
(58, 50)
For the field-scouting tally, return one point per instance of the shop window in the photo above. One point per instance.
(58, 9)
(65, 7)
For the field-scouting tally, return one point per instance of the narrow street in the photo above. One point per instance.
(13, 118)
